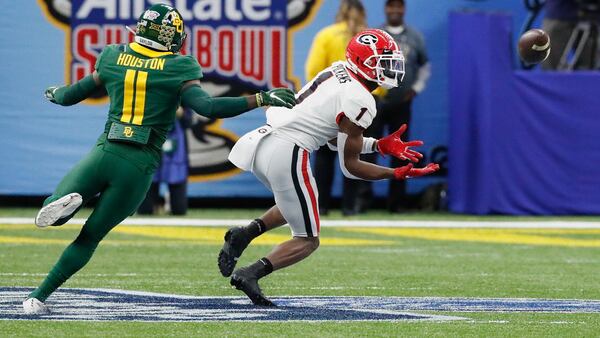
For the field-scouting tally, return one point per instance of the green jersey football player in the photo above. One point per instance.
(146, 81)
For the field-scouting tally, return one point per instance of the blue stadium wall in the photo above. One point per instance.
(40, 142)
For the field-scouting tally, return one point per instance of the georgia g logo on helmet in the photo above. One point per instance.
(367, 39)
(374, 55)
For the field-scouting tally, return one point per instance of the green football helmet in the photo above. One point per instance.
(160, 27)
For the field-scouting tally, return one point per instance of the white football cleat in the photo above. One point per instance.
(58, 209)
(33, 306)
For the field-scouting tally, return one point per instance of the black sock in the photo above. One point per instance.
(256, 228)
(261, 267)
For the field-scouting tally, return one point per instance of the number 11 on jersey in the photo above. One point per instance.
(134, 96)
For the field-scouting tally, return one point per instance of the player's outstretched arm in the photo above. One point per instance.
(75, 93)
(388, 145)
(350, 145)
(192, 96)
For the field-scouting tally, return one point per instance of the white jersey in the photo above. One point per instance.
(278, 153)
(333, 93)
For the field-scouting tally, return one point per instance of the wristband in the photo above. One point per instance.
(259, 100)
(368, 145)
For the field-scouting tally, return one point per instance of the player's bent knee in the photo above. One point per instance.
(315, 243)
(311, 243)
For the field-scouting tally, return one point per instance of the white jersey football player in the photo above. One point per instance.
(334, 108)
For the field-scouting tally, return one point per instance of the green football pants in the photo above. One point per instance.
(122, 179)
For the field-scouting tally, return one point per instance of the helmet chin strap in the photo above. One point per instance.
(357, 70)
(387, 85)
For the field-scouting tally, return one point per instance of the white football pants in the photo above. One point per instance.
(284, 168)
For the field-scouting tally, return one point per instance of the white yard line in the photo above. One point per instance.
(343, 223)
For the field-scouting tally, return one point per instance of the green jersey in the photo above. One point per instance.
(144, 86)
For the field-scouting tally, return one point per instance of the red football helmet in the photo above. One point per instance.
(375, 56)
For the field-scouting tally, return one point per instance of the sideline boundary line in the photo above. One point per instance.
(198, 222)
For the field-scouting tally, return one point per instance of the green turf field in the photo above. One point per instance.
(406, 262)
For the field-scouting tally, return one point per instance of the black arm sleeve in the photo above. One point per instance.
(213, 107)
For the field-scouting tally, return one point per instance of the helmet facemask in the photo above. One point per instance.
(388, 67)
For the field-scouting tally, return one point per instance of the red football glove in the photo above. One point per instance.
(407, 171)
(393, 145)
(428, 169)
(400, 173)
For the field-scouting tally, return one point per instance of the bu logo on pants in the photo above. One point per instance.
(128, 132)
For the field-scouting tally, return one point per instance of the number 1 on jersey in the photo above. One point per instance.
(134, 87)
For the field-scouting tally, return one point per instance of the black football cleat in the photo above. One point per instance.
(236, 240)
(243, 280)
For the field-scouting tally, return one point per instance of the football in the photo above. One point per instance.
(534, 46)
